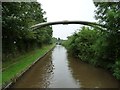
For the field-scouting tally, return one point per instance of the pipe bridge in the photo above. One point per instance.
(93, 24)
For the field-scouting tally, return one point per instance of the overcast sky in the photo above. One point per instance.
(58, 10)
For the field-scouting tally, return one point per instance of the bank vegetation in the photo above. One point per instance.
(99, 47)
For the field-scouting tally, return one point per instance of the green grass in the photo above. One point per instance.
(22, 63)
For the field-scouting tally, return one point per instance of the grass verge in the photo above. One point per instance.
(22, 63)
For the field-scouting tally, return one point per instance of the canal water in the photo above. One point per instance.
(57, 70)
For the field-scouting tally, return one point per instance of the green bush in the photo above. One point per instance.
(96, 47)
(116, 69)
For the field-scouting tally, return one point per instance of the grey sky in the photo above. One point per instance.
(58, 10)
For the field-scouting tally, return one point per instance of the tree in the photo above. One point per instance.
(109, 14)
(17, 18)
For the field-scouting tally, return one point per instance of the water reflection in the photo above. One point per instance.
(57, 70)
(62, 75)
(91, 77)
(38, 76)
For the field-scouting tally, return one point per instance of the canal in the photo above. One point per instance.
(57, 70)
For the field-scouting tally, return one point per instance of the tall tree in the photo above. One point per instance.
(17, 18)
(109, 14)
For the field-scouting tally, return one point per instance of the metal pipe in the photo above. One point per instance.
(66, 22)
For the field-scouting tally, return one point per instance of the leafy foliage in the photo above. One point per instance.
(97, 47)
(17, 37)
(109, 14)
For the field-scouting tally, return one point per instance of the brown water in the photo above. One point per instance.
(57, 70)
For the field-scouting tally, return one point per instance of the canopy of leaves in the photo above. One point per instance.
(17, 18)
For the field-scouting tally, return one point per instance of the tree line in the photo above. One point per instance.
(100, 48)
(17, 36)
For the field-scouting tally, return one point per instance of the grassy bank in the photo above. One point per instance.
(22, 62)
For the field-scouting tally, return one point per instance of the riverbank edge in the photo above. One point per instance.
(25, 70)
(90, 63)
